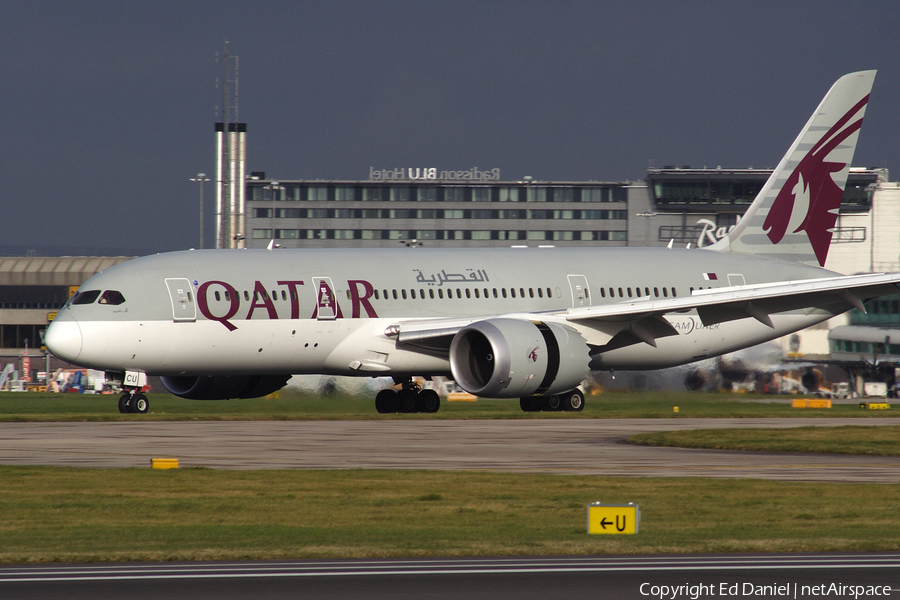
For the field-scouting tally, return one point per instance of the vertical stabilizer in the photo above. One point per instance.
(794, 214)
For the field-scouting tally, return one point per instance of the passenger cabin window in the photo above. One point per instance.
(112, 297)
(86, 297)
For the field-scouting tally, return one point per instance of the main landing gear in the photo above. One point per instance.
(134, 401)
(411, 398)
(572, 401)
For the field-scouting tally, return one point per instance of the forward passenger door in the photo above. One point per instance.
(182, 296)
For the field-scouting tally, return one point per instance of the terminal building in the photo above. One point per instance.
(478, 209)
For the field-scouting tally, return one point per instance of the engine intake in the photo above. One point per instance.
(224, 387)
(513, 358)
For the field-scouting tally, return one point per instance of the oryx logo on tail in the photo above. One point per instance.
(809, 200)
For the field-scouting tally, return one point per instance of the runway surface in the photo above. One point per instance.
(575, 446)
(522, 578)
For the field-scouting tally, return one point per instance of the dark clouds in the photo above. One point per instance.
(108, 106)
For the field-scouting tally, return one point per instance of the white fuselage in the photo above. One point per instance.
(327, 311)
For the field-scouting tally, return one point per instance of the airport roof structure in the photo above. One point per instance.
(58, 270)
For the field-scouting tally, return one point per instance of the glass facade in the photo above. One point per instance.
(881, 312)
(734, 190)
(33, 296)
(867, 348)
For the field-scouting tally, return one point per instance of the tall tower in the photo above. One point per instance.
(231, 160)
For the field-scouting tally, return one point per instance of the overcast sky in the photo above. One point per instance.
(108, 107)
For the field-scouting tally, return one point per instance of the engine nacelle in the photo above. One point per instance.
(513, 358)
(224, 387)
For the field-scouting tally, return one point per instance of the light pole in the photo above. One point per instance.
(201, 178)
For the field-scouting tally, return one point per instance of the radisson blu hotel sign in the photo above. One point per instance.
(432, 174)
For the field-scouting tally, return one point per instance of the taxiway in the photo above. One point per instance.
(574, 446)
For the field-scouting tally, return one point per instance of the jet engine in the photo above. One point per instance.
(224, 387)
(513, 358)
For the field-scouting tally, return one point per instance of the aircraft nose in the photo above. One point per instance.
(63, 338)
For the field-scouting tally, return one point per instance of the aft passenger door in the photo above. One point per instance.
(182, 297)
(581, 294)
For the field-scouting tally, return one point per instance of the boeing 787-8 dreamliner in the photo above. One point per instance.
(526, 323)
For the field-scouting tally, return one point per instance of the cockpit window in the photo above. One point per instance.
(86, 297)
(112, 297)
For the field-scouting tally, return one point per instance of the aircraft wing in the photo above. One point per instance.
(718, 305)
(643, 317)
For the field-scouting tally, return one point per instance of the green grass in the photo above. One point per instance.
(294, 405)
(850, 439)
(50, 514)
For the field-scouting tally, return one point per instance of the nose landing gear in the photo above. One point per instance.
(134, 401)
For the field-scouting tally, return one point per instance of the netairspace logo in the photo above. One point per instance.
(785, 590)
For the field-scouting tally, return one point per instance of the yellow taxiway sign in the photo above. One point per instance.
(613, 518)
